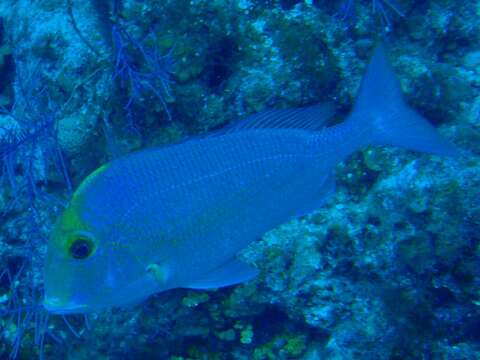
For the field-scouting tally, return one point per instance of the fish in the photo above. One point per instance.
(177, 216)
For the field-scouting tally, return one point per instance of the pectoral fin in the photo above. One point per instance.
(230, 273)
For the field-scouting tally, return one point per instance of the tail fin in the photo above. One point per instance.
(381, 109)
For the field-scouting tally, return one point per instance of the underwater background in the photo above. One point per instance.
(389, 268)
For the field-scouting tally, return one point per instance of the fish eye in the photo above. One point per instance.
(81, 248)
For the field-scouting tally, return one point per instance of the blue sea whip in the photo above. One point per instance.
(186, 210)
(348, 11)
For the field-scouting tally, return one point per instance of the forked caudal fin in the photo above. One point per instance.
(381, 109)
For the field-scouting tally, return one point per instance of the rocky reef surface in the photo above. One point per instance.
(387, 269)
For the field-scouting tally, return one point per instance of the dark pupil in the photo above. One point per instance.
(80, 249)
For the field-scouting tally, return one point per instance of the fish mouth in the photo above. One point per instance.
(55, 305)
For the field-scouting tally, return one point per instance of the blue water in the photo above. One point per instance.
(386, 268)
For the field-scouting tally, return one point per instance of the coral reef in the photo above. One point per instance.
(387, 269)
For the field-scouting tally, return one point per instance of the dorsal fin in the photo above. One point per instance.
(306, 118)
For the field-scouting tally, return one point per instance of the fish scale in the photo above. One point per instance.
(213, 191)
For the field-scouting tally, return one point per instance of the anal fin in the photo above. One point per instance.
(320, 196)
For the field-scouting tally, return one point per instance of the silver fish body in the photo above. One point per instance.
(195, 205)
